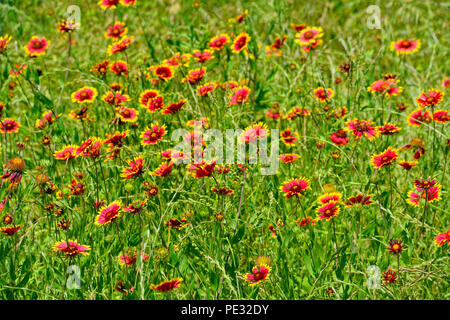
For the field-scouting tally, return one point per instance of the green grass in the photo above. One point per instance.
(305, 263)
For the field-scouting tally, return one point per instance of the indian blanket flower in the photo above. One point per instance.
(323, 95)
(296, 112)
(204, 90)
(253, 133)
(119, 46)
(445, 82)
(340, 137)
(66, 153)
(36, 47)
(361, 128)
(295, 187)
(108, 213)
(218, 43)
(167, 285)
(408, 165)
(119, 68)
(289, 137)
(153, 134)
(202, 169)
(9, 125)
(430, 99)
(443, 238)
(385, 86)
(395, 246)
(108, 4)
(240, 42)
(17, 70)
(101, 68)
(175, 223)
(359, 199)
(202, 56)
(441, 116)
(308, 35)
(405, 46)
(288, 158)
(90, 148)
(329, 210)
(329, 197)
(163, 170)
(385, 158)
(130, 258)
(174, 107)
(14, 169)
(429, 195)
(67, 26)
(419, 117)
(417, 146)
(135, 207)
(84, 95)
(115, 98)
(163, 72)
(76, 187)
(127, 114)
(195, 75)
(116, 31)
(259, 273)
(71, 248)
(135, 169)
(10, 230)
(239, 95)
(389, 276)
(388, 129)
(4, 42)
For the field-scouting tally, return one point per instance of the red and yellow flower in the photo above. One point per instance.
(71, 248)
(117, 31)
(36, 46)
(308, 35)
(361, 128)
(259, 273)
(385, 158)
(9, 125)
(240, 42)
(430, 99)
(405, 46)
(136, 168)
(153, 134)
(218, 43)
(419, 117)
(323, 95)
(84, 95)
(295, 187)
(443, 238)
(108, 213)
(167, 285)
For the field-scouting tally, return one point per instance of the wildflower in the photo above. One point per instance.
(443, 238)
(389, 276)
(71, 248)
(63, 224)
(430, 99)
(202, 56)
(419, 117)
(127, 114)
(385, 86)
(4, 42)
(203, 169)
(136, 169)
(308, 35)
(10, 230)
(119, 46)
(441, 116)
(163, 170)
(9, 125)
(217, 43)
(339, 137)
(240, 42)
(259, 273)
(329, 197)
(205, 89)
(295, 187)
(359, 199)
(167, 285)
(163, 72)
(288, 158)
(194, 76)
(429, 194)
(388, 129)
(296, 112)
(385, 158)
(323, 95)
(119, 68)
(108, 213)
(395, 246)
(408, 165)
(115, 98)
(101, 68)
(153, 134)
(116, 31)
(136, 208)
(405, 46)
(65, 26)
(84, 95)
(17, 70)
(239, 18)
(416, 145)
(176, 223)
(304, 222)
(222, 191)
(174, 107)
(329, 210)
(361, 128)
(36, 46)
(239, 95)
(445, 82)
(77, 187)
(108, 4)
(253, 133)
